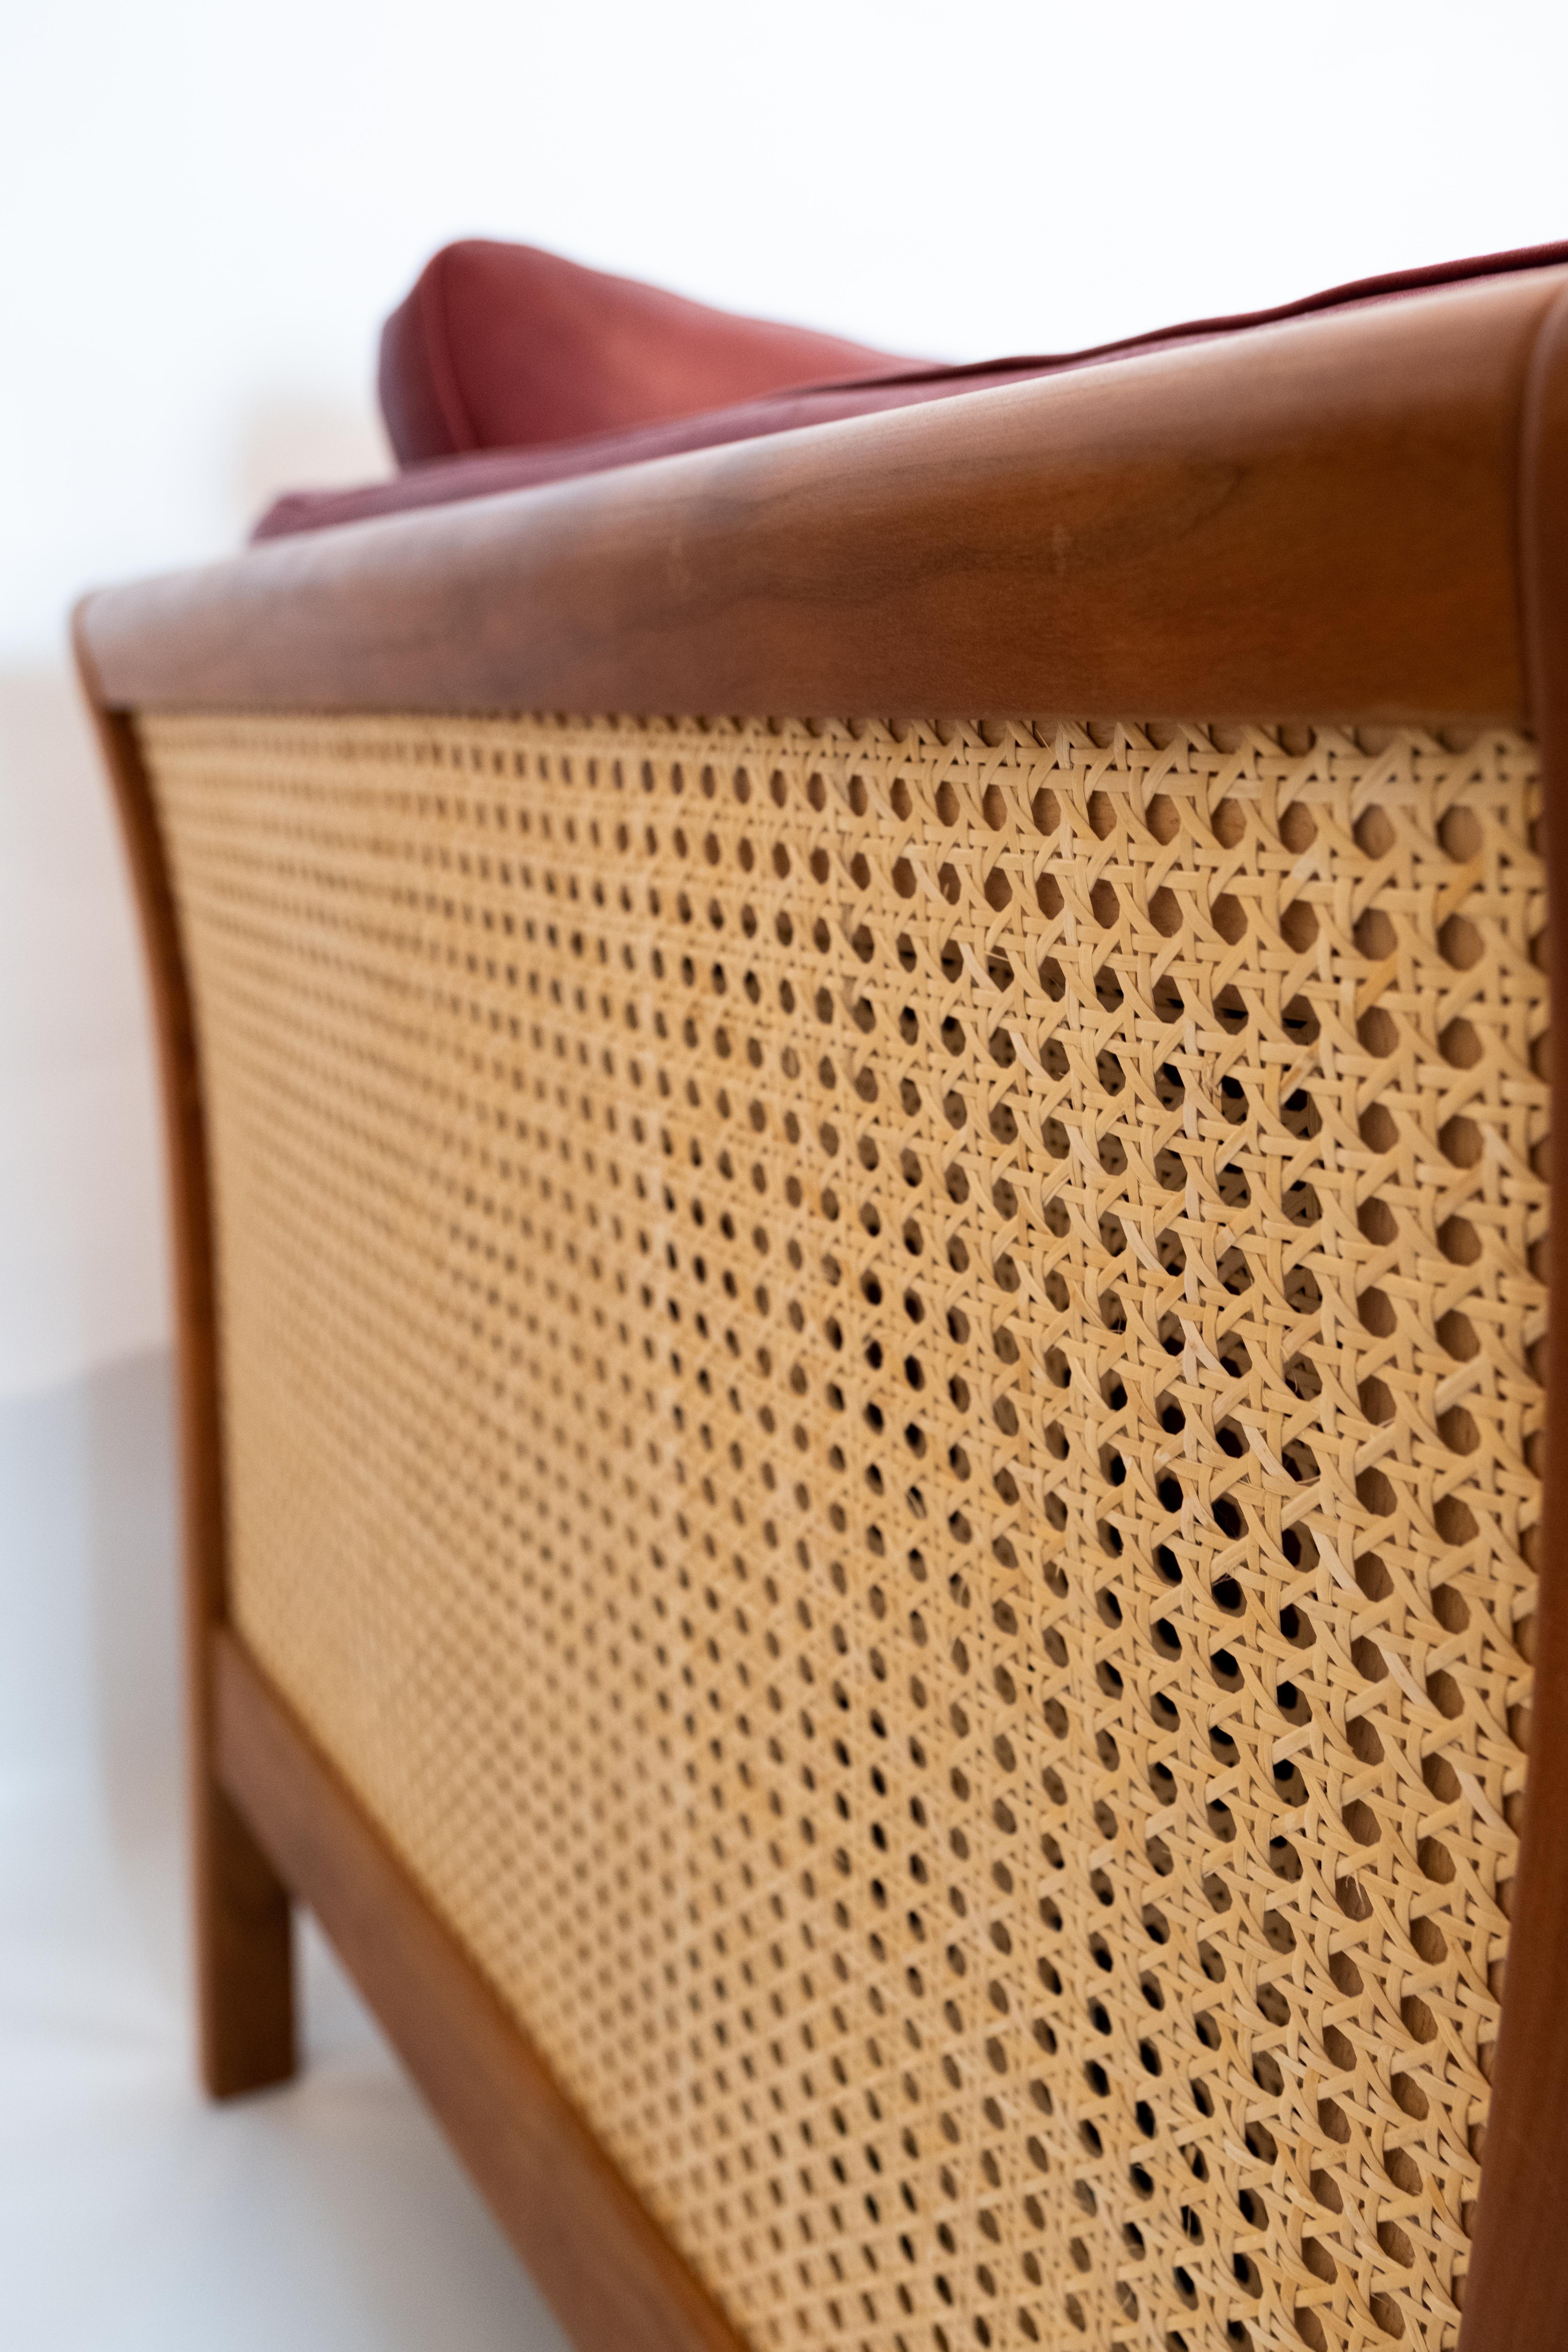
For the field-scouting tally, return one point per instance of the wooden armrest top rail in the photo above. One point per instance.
(1314, 519)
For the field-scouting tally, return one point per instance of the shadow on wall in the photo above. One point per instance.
(83, 1269)
(90, 1666)
(130, 1535)
(82, 1258)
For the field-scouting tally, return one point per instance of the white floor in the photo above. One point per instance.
(326, 2217)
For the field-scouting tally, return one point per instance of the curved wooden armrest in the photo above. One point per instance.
(1313, 519)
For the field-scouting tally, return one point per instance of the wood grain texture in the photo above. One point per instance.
(608, 2272)
(1313, 519)
(1518, 2292)
(241, 1918)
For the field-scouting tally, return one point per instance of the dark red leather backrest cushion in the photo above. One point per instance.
(502, 347)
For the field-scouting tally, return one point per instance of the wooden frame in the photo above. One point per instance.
(1518, 2290)
(1377, 501)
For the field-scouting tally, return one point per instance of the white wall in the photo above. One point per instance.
(207, 209)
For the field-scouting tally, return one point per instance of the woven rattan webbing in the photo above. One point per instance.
(879, 1394)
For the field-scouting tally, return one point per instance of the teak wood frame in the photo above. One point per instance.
(1377, 504)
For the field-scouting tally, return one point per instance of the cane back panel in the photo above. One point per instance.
(880, 1395)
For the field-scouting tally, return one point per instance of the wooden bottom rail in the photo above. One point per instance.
(610, 2275)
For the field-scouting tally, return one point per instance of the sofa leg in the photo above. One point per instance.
(245, 1953)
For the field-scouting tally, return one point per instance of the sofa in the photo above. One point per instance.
(858, 1088)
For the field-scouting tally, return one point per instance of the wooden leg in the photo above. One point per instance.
(245, 1954)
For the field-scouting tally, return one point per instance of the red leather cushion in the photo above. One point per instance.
(481, 468)
(501, 347)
